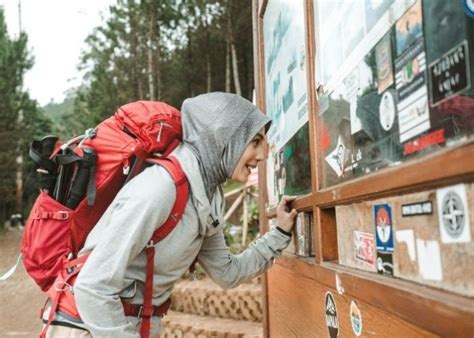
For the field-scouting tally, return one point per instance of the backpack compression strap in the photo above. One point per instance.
(182, 192)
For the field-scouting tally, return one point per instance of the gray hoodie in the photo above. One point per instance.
(115, 269)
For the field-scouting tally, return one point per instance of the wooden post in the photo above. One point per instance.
(245, 225)
(234, 206)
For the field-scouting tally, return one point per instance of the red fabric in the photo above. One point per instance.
(45, 240)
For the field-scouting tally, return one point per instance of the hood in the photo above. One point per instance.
(217, 127)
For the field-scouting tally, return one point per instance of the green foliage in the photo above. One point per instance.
(20, 119)
(164, 50)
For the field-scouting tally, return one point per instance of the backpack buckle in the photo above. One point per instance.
(141, 312)
(63, 215)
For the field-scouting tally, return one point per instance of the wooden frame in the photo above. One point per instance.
(403, 299)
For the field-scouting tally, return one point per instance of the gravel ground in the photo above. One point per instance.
(20, 298)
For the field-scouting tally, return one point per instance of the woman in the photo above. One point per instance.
(223, 137)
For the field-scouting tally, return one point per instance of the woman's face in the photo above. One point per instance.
(254, 153)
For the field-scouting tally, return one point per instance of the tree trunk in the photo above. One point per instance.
(208, 61)
(19, 184)
(235, 68)
(227, 68)
(135, 80)
(151, 84)
(227, 51)
(190, 60)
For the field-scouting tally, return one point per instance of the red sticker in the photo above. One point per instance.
(424, 141)
(364, 247)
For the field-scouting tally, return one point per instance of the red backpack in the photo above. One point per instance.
(79, 179)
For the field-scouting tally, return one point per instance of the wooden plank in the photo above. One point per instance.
(435, 310)
(297, 309)
(448, 166)
(454, 259)
(328, 244)
(302, 203)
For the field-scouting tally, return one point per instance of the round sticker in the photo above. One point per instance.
(453, 214)
(356, 319)
(387, 111)
(469, 7)
(331, 316)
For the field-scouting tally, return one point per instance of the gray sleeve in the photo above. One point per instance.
(229, 270)
(119, 237)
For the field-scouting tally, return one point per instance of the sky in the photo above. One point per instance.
(56, 31)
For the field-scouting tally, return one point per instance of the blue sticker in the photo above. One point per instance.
(469, 7)
(383, 227)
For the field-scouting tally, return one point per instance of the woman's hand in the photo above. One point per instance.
(285, 217)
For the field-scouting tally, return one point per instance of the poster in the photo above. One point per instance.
(449, 31)
(289, 169)
(409, 27)
(347, 30)
(285, 67)
(383, 59)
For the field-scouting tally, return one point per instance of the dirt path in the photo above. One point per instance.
(20, 298)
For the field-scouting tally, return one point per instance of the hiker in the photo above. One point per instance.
(223, 137)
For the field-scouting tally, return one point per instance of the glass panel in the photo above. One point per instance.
(393, 81)
(286, 99)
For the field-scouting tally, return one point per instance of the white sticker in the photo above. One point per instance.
(339, 287)
(337, 158)
(387, 111)
(453, 214)
(407, 237)
(429, 260)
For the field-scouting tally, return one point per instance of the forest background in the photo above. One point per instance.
(165, 50)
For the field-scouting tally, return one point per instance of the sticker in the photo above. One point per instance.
(383, 59)
(416, 209)
(407, 237)
(424, 141)
(337, 158)
(409, 27)
(352, 86)
(383, 227)
(414, 119)
(429, 260)
(331, 316)
(449, 75)
(384, 263)
(469, 8)
(364, 247)
(412, 106)
(387, 111)
(410, 70)
(356, 319)
(453, 214)
(339, 287)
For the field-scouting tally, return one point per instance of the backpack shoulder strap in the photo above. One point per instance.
(173, 167)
